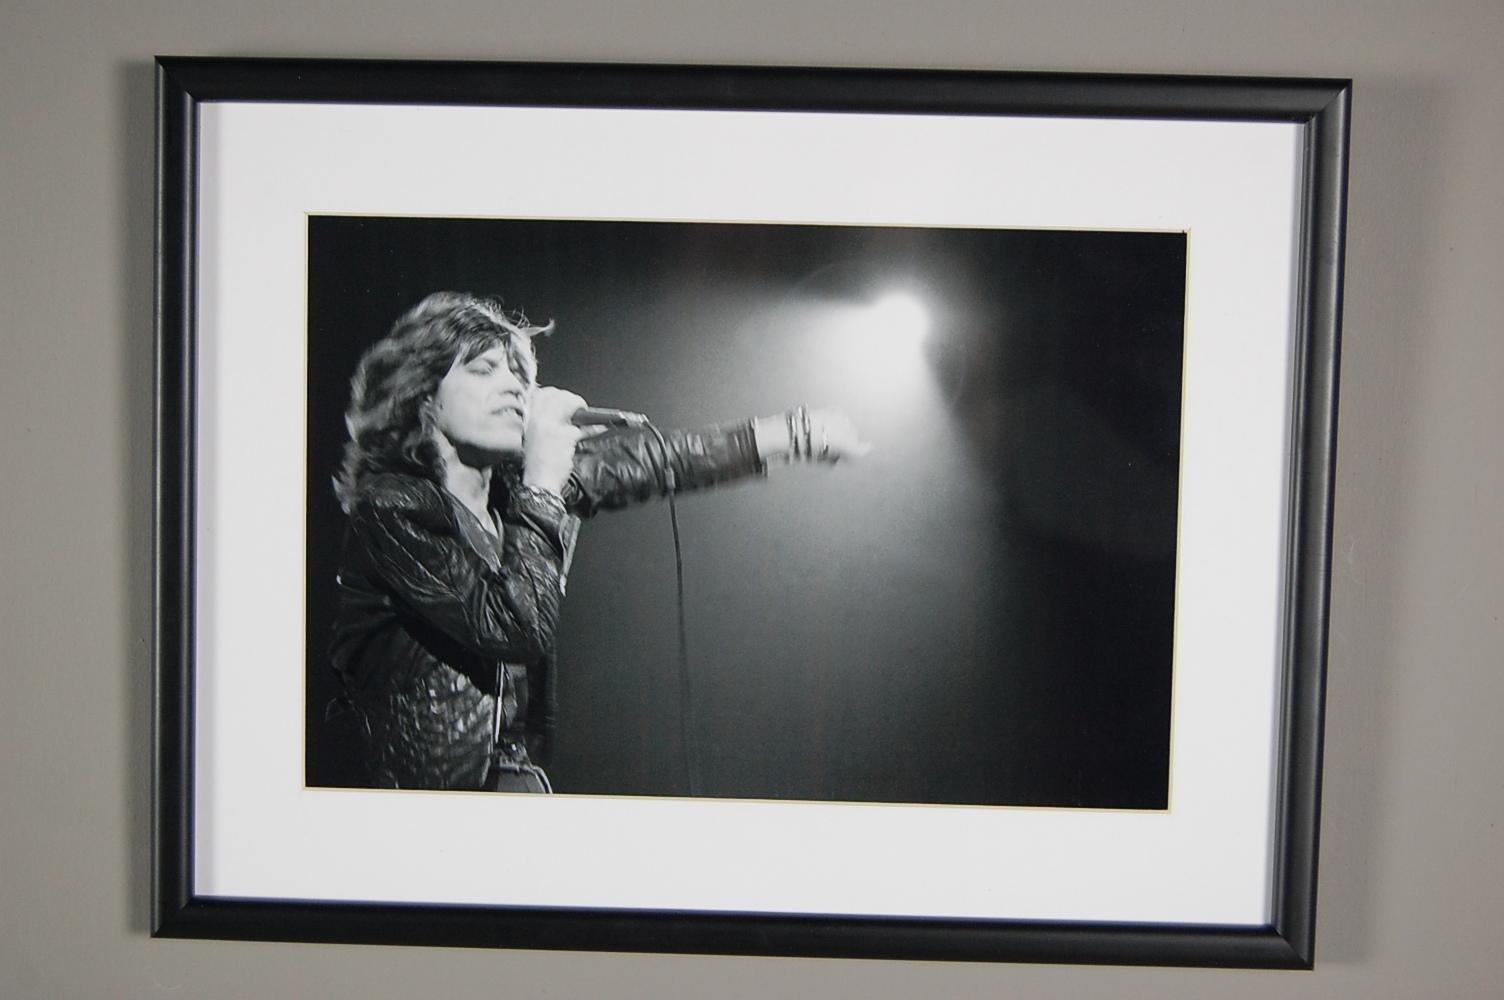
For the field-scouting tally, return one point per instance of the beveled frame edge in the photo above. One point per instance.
(1321, 105)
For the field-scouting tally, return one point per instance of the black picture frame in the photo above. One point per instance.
(1318, 107)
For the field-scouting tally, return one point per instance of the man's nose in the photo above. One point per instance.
(509, 389)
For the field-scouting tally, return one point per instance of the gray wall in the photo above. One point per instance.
(1412, 875)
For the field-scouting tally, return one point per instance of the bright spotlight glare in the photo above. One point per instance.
(872, 350)
(902, 317)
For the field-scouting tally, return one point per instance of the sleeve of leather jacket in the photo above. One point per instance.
(623, 467)
(507, 611)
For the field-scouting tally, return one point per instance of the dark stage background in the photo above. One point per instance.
(979, 612)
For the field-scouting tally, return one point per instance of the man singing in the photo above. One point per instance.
(464, 482)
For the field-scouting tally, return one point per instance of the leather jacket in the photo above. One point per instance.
(444, 636)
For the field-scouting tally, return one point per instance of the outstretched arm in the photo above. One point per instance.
(621, 468)
(625, 467)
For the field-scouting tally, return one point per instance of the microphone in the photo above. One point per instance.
(595, 416)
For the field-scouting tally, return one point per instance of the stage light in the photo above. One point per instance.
(870, 352)
(901, 317)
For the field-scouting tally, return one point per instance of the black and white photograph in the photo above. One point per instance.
(748, 511)
(726, 480)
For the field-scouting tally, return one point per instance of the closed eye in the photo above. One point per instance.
(520, 368)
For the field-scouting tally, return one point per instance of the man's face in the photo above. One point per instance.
(481, 405)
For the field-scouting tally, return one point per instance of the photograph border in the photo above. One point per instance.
(1320, 107)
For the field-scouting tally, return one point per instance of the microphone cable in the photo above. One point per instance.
(687, 727)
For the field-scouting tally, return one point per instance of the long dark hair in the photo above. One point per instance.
(389, 418)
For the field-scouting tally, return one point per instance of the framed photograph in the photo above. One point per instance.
(837, 512)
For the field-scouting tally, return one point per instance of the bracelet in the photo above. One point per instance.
(801, 447)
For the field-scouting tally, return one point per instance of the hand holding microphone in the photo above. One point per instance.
(550, 436)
